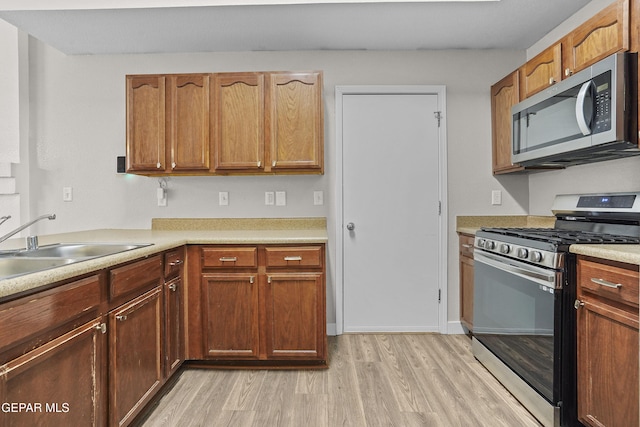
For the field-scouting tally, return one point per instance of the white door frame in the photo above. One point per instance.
(440, 91)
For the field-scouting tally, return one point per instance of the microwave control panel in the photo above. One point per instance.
(602, 103)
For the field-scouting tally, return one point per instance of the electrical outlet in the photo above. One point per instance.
(223, 198)
(281, 198)
(496, 197)
(269, 198)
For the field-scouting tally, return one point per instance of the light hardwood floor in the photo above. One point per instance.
(373, 380)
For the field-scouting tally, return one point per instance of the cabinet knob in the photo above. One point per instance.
(102, 327)
(552, 81)
(173, 287)
(158, 165)
(177, 262)
(567, 72)
(173, 165)
(121, 317)
(577, 304)
(251, 279)
(273, 164)
(259, 164)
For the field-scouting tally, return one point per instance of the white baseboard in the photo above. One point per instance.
(453, 328)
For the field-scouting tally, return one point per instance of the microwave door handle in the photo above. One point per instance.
(580, 103)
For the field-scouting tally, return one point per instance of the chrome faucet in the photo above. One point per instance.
(32, 241)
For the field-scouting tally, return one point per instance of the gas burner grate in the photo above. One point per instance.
(560, 236)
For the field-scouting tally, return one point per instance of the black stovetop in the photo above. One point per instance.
(564, 237)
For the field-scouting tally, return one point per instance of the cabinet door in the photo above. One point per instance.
(603, 35)
(238, 105)
(146, 123)
(230, 315)
(135, 356)
(295, 120)
(295, 316)
(542, 71)
(189, 122)
(466, 281)
(61, 381)
(504, 95)
(174, 337)
(607, 366)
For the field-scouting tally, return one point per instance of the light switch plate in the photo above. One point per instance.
(223, 198)
(318, 198)
(67, 194)
(269, 198)
(281, 198)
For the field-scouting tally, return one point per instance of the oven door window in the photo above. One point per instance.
(514, 318)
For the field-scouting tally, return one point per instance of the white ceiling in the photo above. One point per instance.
(376, 25)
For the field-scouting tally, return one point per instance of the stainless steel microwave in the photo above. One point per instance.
(590, 116)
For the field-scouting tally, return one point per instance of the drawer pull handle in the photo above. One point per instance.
(174, 263)
(173, 287)
(121, 317)
(228, 259)
(467, 246)
(293, 258)
(606, 283)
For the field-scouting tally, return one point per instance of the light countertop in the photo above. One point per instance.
(164, 235)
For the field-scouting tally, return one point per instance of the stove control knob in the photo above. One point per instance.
(490, 245)
(505, 249)
(481, 243)
(523, 253)
(536, 256)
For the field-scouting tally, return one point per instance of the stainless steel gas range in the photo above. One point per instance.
(524, 323)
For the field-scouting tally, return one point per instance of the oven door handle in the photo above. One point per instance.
(540, 276)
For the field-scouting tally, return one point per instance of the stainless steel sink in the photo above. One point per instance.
(76, 250)
(10, 266)
(21, 261)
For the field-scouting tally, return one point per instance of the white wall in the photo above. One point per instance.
(77, 130)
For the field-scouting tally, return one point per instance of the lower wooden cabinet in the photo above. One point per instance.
(294, 306)
(262, 303)
(135, 356)
(466, 280)
(607, 343)
(60, 383)
(231, 315)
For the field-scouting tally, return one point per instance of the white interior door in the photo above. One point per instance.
(390, 201)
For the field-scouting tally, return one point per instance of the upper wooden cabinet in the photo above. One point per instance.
(504, 95)
(189, 122)
(146, 124)
(604, 34)
(168, 123)
(238, 121)
(225, 123)
(295, 120)
(542, 71)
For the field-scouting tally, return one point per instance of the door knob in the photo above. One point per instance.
(351, 226)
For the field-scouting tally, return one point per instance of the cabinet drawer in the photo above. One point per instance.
(136, 276)
(303, 256)
(33, 315)
(466, 245)
(608, 281)
(173, 262)
(230, 257)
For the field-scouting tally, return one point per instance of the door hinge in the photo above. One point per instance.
(438, 116)
(439, 295)
(439, 208)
